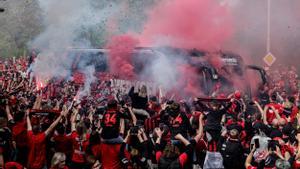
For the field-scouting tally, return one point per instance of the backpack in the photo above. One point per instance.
(231, 151)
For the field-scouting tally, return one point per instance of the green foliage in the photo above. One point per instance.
(22, 21)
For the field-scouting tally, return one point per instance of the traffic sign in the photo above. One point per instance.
(269, 59)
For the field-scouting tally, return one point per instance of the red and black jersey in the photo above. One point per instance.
(151, 123)
(180, 124)
(111, 124)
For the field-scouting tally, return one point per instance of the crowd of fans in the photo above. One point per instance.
(47, 128)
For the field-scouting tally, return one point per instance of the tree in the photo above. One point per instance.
(20, 23)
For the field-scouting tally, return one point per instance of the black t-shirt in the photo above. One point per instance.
(231, 150)
(111, 124)
(264, 98)
(138, 102)
(214, 118)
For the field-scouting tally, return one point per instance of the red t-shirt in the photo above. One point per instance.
(63, 144)
(19, 134)
(109, 155)
(37, 150)
(79, 147)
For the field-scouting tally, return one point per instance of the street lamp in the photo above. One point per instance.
(269, 27)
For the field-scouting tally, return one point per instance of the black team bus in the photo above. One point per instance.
(231, 71)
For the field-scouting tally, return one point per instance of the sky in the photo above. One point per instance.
(250, 19)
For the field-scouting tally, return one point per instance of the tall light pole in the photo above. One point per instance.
(269, 27)
(269, 59)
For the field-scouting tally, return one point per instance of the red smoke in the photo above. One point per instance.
(214, 58)
(120, 56)
(202, 24)
(189, 81)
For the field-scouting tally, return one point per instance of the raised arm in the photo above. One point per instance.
(244, 105)
(53, 125)
(73, 119)
(8, 114)
(159, 135)
(200, 129)
(38, 101)
(133, 117)
(249, 159)
(57, 105)
(29, 127)
(122, 126)
(140, 136)
(188, 154)
(280, 98)
(202, 105)
(227, 105)
(182, 139)
(263, 112)
(276, 113)
(127, 137)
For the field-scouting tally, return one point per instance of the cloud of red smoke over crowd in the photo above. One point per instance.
(202, 24)
(120, 52)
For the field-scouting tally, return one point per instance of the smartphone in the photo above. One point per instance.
(256, 143)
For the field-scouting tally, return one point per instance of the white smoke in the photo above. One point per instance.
(161, 70)
(64, 21)
(89, 72)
